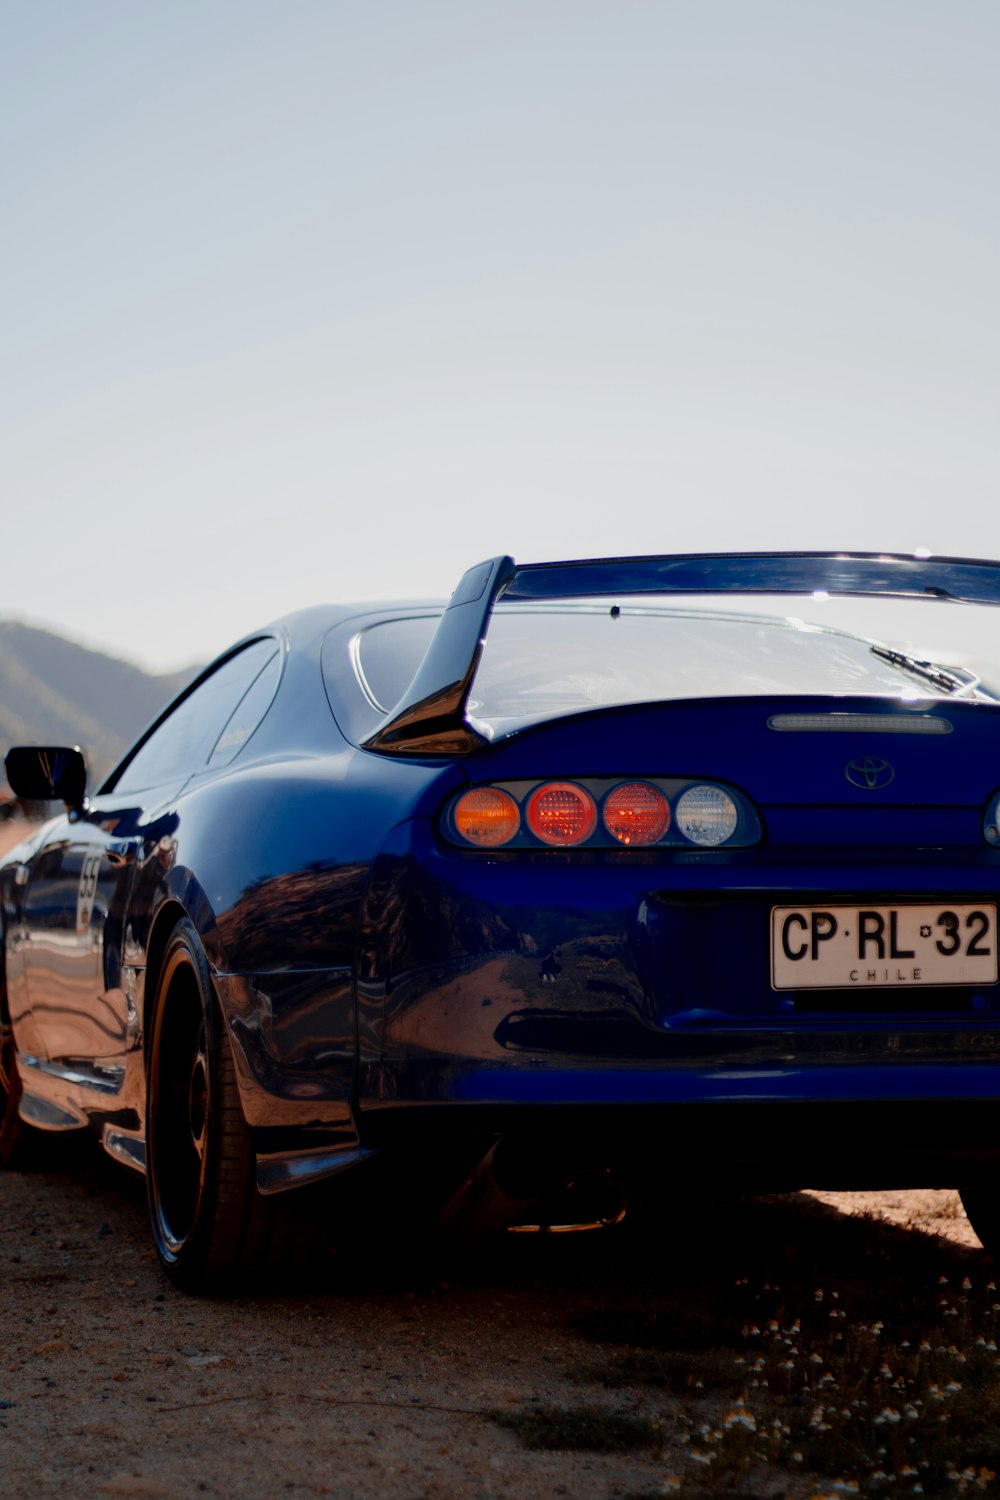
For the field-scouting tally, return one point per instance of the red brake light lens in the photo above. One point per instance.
(561, 813)
(486, 816)
(637, 813)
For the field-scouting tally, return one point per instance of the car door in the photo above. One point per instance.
(78, 911)
(72, 911)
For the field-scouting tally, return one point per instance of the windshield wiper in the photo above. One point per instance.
(949, 681)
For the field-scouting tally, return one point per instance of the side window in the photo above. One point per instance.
(209, 722)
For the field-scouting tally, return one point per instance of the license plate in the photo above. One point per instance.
(871, 947)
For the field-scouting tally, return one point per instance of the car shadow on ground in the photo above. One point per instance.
(696, 1240)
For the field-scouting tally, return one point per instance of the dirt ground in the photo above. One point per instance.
(379, 1380)
(119, 1383)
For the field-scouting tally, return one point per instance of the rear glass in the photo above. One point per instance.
(542, 662)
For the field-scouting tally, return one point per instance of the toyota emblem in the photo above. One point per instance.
(869, 772)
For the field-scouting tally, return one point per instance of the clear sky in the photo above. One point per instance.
(310, 299)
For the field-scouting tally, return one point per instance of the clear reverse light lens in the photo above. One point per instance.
(706, 815)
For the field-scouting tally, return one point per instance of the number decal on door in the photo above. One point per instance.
(87, 890)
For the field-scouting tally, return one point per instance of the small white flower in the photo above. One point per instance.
(740, 1419)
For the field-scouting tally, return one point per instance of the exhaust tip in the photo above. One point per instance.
(589, 1200)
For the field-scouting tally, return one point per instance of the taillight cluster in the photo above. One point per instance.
(603, 813)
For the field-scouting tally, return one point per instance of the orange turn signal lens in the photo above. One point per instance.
(637, 813)
(561, 813)
(486, 817)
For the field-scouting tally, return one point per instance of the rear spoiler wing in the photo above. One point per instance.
(431, 718)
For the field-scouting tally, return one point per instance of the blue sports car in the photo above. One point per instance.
(529, 908)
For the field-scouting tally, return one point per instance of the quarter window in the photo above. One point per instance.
(248, 712)
(389, 655)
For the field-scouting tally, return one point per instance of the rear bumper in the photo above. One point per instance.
(621, 1006)
(664, 1087)
(760, 1146)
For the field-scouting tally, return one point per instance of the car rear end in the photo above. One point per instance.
(731, 935)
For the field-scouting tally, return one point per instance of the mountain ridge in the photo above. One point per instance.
(56, 692)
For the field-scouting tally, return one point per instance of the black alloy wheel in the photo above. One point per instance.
(203, 1203)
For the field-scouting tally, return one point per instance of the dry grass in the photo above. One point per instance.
(814, 1355)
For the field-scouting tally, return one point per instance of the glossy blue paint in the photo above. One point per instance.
(805, 770)
(854, 574)
(779, 1084)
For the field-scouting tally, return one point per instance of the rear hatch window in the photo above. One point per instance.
(541, 663)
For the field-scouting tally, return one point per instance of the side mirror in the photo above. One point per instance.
(47, 773)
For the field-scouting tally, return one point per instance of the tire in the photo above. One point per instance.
(208, 1221)
(982, 1209)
